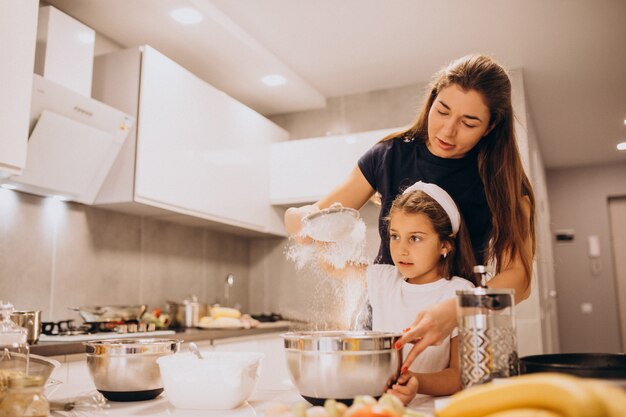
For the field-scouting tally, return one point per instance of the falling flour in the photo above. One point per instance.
(338, 240)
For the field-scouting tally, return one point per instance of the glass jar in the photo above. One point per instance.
(487, 336)
(24, 398)
(14, 350)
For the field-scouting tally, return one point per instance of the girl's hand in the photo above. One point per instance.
(405, 387)
(431, 327)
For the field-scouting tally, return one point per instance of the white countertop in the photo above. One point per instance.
(273, 386)
(256, 406)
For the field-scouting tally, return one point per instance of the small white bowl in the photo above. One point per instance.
(219, 381)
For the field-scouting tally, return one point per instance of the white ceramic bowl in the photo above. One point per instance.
(219, 381)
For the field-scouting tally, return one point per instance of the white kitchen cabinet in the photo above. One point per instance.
(18, 32)
(302, 171)
(197, 155)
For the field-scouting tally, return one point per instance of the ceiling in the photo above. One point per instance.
(572, 53)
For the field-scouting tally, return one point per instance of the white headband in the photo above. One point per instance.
(443, 198)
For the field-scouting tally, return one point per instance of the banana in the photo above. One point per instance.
(217, 312)
(614, 398)
(524, 412)
(563, 394)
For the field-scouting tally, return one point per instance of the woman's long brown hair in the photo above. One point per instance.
(499, 163)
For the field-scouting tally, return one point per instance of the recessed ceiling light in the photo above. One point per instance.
(87, 37)
(186, 15)
(8, 186)
(621, 146)
(274, 80)
(59, 197)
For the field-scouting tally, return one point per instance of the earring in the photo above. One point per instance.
(445, 255)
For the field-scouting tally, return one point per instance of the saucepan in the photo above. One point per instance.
(593, 365)
(188, 313)
(99, 314)
(31, 321)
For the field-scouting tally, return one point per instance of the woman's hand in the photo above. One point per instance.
(431, 327)
(293, 221)
(405, 387)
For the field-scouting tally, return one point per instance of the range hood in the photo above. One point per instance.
(73, 143)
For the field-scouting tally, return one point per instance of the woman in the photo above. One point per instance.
(464, 141)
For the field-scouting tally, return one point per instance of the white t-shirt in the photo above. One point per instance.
(395, 304)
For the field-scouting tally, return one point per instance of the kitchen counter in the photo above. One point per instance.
(261, 400)
(274, 384)
(59, 348)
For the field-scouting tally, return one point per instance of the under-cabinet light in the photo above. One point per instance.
(186, 15)
(274, 80)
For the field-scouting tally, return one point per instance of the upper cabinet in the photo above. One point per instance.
(305, 170)
(196, 155)
(18, 32)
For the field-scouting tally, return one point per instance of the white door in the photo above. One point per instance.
(617, 215)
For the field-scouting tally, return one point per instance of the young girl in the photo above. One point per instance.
(431, 250)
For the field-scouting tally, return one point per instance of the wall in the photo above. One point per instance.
(579, 198)
(308, 295)
(54, 255)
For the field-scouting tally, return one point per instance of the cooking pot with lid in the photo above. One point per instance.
(188, 313)
(31, 321)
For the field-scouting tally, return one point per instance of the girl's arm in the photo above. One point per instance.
(445, 382)
(353, 192)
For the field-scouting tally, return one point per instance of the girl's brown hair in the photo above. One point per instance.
(460, 259)
(499, 161)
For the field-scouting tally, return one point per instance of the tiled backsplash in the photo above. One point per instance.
(55, 255)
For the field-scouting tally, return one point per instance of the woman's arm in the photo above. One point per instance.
(353, 192)
(513, 274)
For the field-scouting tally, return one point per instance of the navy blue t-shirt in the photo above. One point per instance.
(393, 165)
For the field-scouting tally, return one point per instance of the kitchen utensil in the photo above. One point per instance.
(593, 365)
(228, 284)
(194, 349)
(188, 313)
(219, 381)
(112, 313)
(341, 364)
(31, 321)
(330, 224)
(487, 342)
(126, 369)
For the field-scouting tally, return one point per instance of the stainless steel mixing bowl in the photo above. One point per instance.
(341, 364)
(126, 369)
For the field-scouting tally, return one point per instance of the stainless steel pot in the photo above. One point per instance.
(188, 313)
(341, 364)
(97, 314)
(127, 369)
(31, 321)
